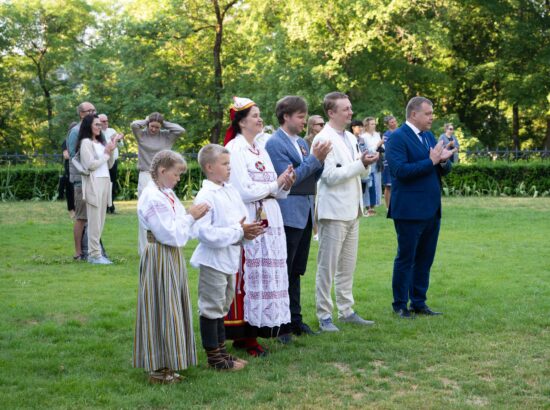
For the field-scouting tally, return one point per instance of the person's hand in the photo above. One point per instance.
(109, 148)
(290, 180)
(436, 152)
(252, 230)
(447, 153)
(66, 154)
(287, 178)
(321, 149)
(198, 211)
(118, 137)
(368, 158)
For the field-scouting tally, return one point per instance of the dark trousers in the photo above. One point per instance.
(113, 173)
(297, 248)
(416, 245)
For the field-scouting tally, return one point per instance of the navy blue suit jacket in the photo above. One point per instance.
(416, 182)
(295, 209)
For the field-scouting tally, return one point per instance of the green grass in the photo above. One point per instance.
(66, 328)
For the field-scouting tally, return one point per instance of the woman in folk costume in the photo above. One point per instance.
(261, 304)
(164, 340)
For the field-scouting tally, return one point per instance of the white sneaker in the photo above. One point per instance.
(316, 237)
(356, 319)
(102, 260)
(326, 325)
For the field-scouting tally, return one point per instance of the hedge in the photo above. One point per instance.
(25, 182)
(492, 179)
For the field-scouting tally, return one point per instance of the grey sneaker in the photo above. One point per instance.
(356, 319)
(102, 260)
(326, 325)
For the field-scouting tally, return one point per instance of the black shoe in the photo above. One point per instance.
(301, 328)
(285, 339)
(426, 311)
(404, 313)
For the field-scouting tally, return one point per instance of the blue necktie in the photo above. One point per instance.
(424, 139)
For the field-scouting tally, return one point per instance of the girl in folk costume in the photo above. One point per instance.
(261, 304)
(164, 340)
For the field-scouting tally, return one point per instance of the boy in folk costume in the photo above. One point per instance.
(218, 255)
(164, 340)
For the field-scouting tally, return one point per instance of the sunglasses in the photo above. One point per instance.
(320, 123)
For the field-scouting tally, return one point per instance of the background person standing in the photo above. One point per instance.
(153, 134)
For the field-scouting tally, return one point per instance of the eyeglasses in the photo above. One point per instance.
(90, 111)
(95, 124)
(104, 121)
(322, 124)
(450, 129)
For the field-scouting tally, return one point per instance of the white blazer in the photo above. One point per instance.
(339, 194)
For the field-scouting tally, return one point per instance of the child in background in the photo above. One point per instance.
(218, 255)
(164, 340)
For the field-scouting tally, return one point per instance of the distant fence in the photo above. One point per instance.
(506, 154)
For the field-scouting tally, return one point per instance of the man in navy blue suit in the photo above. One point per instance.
(416, 165)
(286, 147)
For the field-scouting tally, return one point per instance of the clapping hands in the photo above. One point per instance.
(441, 153)
(287, 178)
(252, 230)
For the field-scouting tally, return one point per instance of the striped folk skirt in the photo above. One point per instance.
(164, 329)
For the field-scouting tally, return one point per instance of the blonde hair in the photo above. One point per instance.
(313, 119)
(209, 155)
(367, 120)
(166, 159)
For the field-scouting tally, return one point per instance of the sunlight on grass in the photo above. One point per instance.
(66, 328)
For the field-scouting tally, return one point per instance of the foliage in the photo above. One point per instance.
(483, 63)
(23, 182)
(482, 178)
(498, 179)
(67, 328)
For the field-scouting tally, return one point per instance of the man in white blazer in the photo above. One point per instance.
(339, 207)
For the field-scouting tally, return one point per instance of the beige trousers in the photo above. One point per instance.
(96, 216)
(143, 181)
(216, 292)
(338, 241)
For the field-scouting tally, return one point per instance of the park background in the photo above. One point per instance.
(66, 330)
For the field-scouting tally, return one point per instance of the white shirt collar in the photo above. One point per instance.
(416, 130)
(211, 186)
(293, 138)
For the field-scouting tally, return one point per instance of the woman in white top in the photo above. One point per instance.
(373, 195)
(95, 156)
(261, 304)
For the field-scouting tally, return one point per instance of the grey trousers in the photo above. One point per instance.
(338, 242)
(216, 292)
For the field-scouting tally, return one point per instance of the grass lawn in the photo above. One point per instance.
(66, 328)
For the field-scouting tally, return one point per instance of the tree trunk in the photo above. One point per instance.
(547, 138)
(515, 126)
(218, 76)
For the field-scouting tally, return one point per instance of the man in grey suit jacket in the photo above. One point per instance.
(286, 147)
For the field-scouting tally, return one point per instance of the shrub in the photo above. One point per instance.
(499, 179)
(24, 182)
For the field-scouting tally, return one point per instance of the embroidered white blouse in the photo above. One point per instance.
(161, 212)
(219, 231)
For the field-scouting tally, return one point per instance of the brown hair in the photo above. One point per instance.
(166, 159)
(329, 102)
(289, 105)
(155, 117)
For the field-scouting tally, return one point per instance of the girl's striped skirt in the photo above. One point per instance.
(164, 329)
